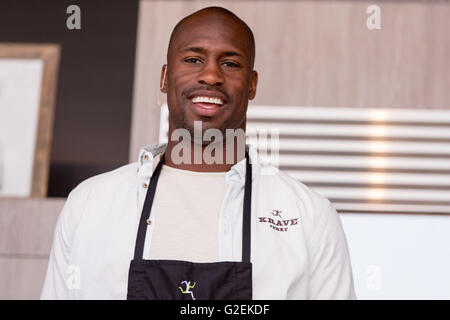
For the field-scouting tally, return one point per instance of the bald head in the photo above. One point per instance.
(204, 17)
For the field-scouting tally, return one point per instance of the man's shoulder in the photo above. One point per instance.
(286, 183)
(313, 207)
(122, 176)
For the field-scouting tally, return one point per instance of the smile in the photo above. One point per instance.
(205, 106)
(207, 102)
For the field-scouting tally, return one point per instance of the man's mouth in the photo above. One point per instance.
(207, 102)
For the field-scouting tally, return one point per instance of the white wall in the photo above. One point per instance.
(399, 256)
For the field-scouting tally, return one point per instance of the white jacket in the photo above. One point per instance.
(303, 255)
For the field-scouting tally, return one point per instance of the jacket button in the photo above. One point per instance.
(149, 222)
(146, 157)
(145, 185)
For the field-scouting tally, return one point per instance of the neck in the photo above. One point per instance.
(214, 157)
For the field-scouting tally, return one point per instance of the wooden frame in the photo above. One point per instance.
(49, 54)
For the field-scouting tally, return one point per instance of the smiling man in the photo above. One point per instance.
(193, 229)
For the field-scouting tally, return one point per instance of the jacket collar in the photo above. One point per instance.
(149, 157)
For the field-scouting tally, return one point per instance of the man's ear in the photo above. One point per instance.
(163, 80)
(253, 84)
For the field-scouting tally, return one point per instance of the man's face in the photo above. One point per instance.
(209, 74)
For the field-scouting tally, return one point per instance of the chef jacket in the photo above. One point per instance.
(298, 246)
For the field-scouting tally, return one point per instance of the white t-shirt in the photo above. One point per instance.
(185, 214)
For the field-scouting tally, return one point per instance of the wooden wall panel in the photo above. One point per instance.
(314, 53)
(26, 233)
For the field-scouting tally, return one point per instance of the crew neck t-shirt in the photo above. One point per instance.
(186, 222)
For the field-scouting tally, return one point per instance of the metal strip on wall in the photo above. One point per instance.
(363, 160)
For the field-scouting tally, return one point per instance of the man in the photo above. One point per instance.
(224, 229)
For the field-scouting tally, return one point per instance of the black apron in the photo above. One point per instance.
(183, 280)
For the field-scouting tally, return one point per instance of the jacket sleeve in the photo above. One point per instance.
(60, 272)
(331, 273)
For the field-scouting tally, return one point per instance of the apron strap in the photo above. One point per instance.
(142, 231)
(246, 219)
(146, 210)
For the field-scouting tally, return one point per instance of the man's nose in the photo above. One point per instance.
(211, 74)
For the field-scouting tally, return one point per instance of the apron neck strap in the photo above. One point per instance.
(142, 231)
(246, 218)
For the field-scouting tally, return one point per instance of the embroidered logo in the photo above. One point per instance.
(276, 213)
(188, 288)
(278, 224)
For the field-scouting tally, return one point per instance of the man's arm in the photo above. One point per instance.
(331, 273)
(59, 271)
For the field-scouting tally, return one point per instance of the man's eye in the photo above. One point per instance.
(192, 60)
(231, 64)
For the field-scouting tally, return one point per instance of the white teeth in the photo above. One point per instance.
(207, 99)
